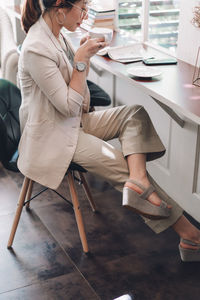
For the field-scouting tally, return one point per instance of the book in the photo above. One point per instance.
(87, 27)
(100, 17)
(101, 23)
(104, 24)
(124, 53)
(102, 6)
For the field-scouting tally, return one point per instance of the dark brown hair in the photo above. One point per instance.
(32, 10)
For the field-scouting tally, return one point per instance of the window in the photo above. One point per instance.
(155, 21)
(129, 17)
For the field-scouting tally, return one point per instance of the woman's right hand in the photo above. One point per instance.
(89, 48)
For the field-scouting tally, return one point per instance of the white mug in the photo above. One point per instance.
(100, 32)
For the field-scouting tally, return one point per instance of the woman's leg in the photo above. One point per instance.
(137, 172)
(138, 138)
(104, 160)
(101, 158)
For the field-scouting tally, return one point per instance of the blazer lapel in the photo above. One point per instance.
(55, 42)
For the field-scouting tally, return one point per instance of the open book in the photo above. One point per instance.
(129, 53)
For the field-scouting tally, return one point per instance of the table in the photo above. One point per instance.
(178, 171)
(174, 89)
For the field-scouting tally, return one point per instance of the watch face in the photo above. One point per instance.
(80, 66)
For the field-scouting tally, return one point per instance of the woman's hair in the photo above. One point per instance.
(32, 10)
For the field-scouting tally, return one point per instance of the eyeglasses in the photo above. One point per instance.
(84, 11)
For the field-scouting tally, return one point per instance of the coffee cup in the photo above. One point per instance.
(100, 32)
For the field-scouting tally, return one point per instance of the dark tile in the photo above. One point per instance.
(67, 287)
(126, 256)
(36, 256)
(148, 278)
(103, 227)
(9, 193)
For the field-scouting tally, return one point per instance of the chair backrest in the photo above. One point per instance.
(10, 101)
(8, 48)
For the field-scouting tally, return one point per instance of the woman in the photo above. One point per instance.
(57, 128)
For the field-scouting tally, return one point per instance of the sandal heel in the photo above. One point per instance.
(189, 255)
(137, 203)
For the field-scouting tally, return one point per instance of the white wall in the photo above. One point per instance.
(189, 36)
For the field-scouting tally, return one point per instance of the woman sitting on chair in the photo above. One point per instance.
(57, 127)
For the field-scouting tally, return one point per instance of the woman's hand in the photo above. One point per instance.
(88, 48)
(84, 39)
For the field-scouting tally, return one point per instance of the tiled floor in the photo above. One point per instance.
(47, 261)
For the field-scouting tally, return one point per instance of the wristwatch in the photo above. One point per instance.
(80, 66)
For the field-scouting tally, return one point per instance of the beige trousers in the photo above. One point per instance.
(135, 131)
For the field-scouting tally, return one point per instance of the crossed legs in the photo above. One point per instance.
(137, 136)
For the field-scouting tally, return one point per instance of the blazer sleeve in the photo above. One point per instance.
(43, 69)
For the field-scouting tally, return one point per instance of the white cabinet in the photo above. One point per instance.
(178, 171)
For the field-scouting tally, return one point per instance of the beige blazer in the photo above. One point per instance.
(51, 111)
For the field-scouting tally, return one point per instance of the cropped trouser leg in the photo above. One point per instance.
(135, 131)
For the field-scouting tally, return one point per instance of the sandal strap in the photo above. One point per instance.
(136, 183)
(189, 243)
(163, 204)
(146, 191)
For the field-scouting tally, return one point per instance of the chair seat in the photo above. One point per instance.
(75, 167)
(98, 97)
(12, 165)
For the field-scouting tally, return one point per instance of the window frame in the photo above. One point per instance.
(145, 29)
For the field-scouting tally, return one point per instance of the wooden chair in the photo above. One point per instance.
(10, 100)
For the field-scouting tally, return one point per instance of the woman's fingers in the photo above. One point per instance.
(97, 43)
(101, 45)
(84, 39)
(89, 47)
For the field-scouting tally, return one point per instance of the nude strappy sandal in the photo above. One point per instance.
(189, 254)
(139, 203)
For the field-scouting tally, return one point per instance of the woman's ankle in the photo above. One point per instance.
(186, 230)
(140, 178)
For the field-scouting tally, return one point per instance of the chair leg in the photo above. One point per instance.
(18, 211)
(87, 191)
(77, 212)
(29, 193)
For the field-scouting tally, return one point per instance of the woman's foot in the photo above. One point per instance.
(193, 245)
(138, 197)
(189, 246)
(153, 198)
(189, 250)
